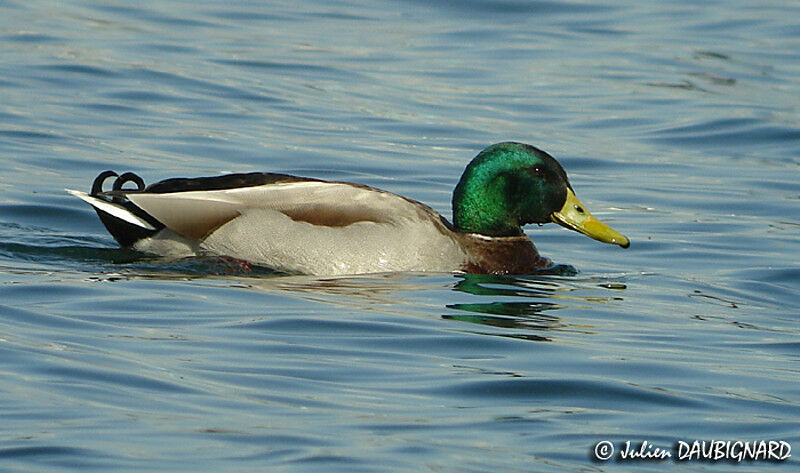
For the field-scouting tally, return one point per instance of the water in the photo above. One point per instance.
(677, 122)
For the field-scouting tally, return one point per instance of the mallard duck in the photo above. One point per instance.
(302, 225)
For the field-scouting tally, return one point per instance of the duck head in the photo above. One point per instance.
(509, 185)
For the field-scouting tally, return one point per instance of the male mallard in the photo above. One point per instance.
(311, 226)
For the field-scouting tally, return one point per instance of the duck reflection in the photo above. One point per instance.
(542, 296)
(530, 307)
(373, 292)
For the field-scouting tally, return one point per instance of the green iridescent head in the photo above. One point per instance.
(509, 185)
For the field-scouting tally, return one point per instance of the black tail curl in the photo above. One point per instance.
(124, 232)
(121, 180)
(97, 185)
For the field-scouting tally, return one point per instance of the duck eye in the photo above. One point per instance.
(535, 171)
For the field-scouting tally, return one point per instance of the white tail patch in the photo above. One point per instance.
(113, 209)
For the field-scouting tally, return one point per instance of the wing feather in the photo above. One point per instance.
(195, 214)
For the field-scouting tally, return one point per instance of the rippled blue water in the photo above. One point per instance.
(679, 123)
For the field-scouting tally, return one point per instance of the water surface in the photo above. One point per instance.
(678, 124)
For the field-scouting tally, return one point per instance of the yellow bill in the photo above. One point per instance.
(574, 216)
